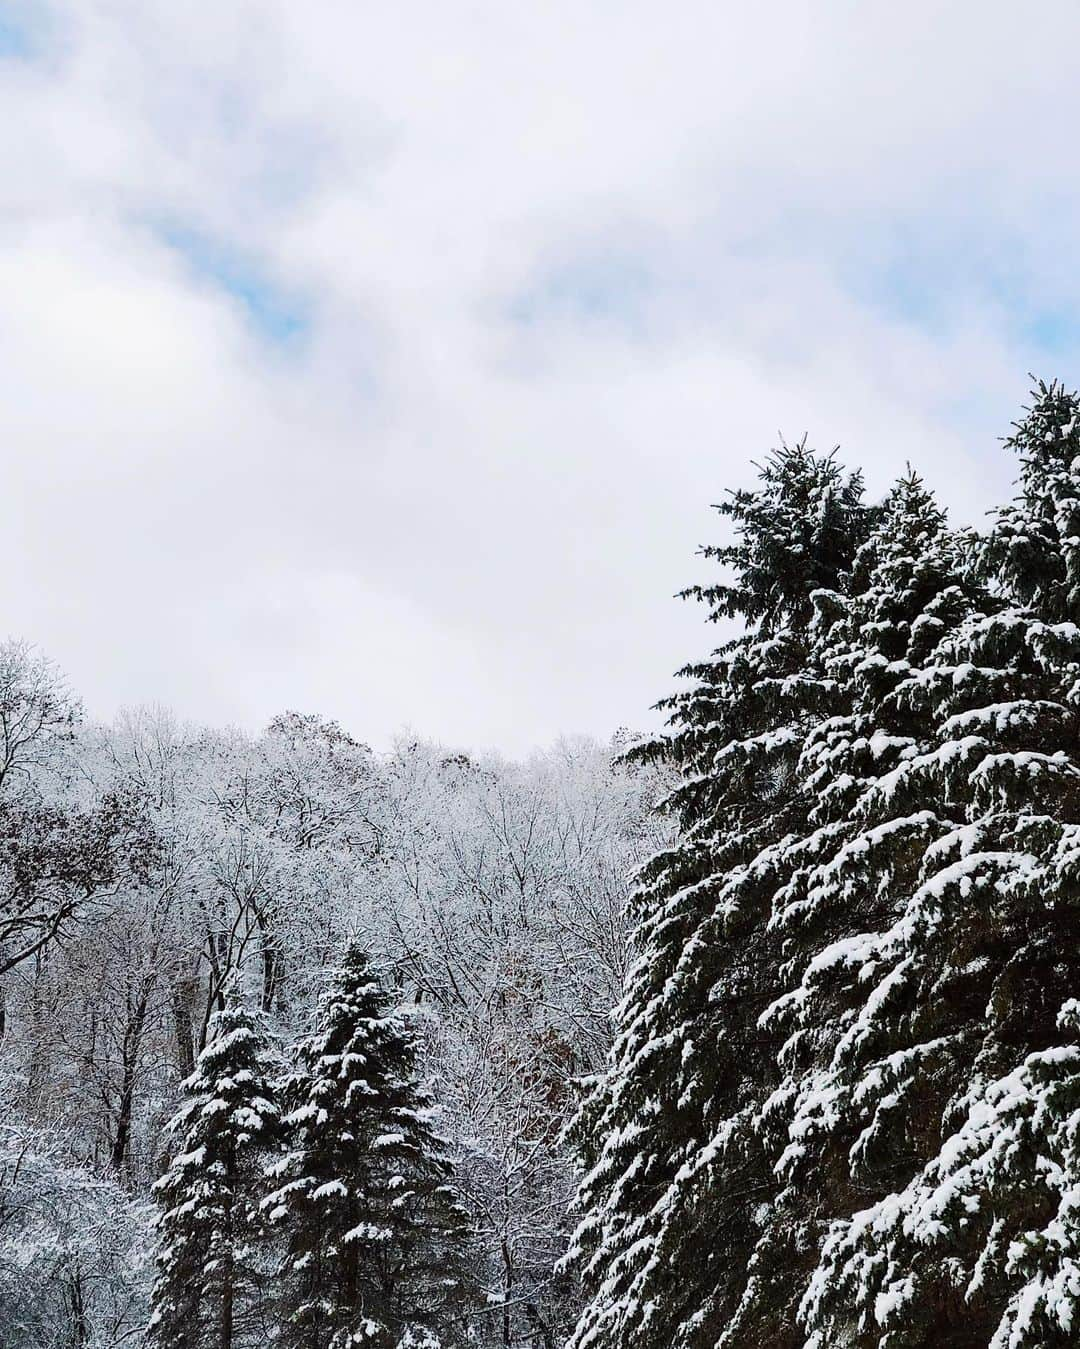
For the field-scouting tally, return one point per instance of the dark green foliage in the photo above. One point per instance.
(374, 1233)
(969, 992)
(679, 1179)
(844, 1104)
(213, 1266)
(1033, 552)
(838, 1141)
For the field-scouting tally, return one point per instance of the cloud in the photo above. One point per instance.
(273, 313)
(384, 360)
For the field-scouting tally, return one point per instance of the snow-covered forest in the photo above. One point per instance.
(763, 1033)
(161, 881)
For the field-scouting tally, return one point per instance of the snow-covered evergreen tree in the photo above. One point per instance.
(212, 1264)
(965, 1051)
(375, 1235)
(843, 880)
(679, 1185)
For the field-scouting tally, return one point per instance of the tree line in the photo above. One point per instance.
(157, 877)
(308, 1045)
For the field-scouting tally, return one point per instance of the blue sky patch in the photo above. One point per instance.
(931, 275)
(21, 26)
(270, 309)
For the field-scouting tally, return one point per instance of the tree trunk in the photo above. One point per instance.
(225, 1340)
(508, 1284)
(182, 999)
(37, 1067)
(270, 978)
(132, 1042)
(228, 1269)
(271, 962)
(80, 1334)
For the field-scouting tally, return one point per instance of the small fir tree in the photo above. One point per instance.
(375, 1236)
(212, 1262)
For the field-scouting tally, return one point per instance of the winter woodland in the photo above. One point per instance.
(762, 1033)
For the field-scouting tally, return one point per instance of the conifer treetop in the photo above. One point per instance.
(1034, 547)
(793, 535)
(373, 1228)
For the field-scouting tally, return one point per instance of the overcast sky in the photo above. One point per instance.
(383, 359)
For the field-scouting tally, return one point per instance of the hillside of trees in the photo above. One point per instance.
(762, 1033)
(159, 879)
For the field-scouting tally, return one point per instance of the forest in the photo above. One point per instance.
(762, 1032)
(161, 880)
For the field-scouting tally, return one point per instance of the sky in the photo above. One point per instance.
(384, 359)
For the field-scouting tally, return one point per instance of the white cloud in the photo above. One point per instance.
(561, 270)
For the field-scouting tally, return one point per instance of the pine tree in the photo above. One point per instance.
(212, 1266)
(679, 1185)
(376, 1239)
(843, 881)
(969, 992)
